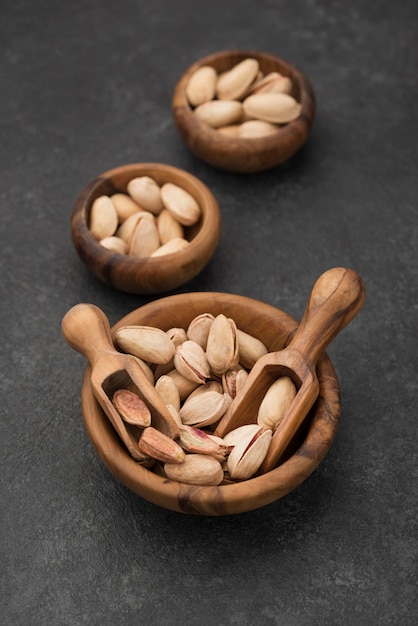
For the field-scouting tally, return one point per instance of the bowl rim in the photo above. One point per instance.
(228, 498)
(193, 130)
(204, 240)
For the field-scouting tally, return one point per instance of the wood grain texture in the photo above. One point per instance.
(237, 154)
(147, 275)
(306, 451)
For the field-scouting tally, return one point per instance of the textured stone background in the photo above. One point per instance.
(87, 86)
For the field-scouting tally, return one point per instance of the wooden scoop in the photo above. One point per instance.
(86, 329)
(336, 298)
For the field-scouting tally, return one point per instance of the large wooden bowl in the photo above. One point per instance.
(307, 450)
(147, 275)
(237, 154)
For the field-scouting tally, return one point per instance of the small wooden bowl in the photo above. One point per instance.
(238, 154)
(307, 450)
(147, 275)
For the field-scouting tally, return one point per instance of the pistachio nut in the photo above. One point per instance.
(183, 384)
(114, 244)
(250, 349)
(181, 204)
(276, 402)
(274, 82)
(146, 342)
(168, 392)
(278, 108)
(168, 227)
(146, 192)
(217, 113)
(197, 469)
(144, 238)
(131, 408)
(201, 85)
(127, 227)
(191, 361)
(174, 245)
(198, 329)
(211, 385)
(256, 128)
(234, 83)
(197, 441)
(233, 380)
(124, 205)
(248, 453)
(154, 443)
(204, 410)
(232, 130)
(222, 345)
(103, 218)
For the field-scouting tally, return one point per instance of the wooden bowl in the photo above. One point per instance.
(238, 154)
(147, 275)
(307, 450)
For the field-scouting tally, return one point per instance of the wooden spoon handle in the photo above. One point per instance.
(335, 300)
(86, 329)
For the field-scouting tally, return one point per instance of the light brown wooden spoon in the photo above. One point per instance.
(86, 329)
(336, 298)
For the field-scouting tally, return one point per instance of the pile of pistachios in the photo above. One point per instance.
(197, 371)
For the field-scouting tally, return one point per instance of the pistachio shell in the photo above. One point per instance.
(103, 218)
(278, 108)
(181, 204)
(190, 360)
(211, 385)
(232, 130)
(124, 205)
(168, 227)
(114, 244)
(177, 335)
(233, 84)
(171, 247)
(197, 469)
(197, 441)
(272, 83)
(222, 345)
(198, 329)
(248, 454)
(144, 238)
(168, 392)
(201, 85)
(146, 192)
(276, 402)
(233, 379)
(127, 227)
(218, 113)
(250, 349)
(204, 410)
(146, 342)
(247, 431)
(257, 128)
(184, 385)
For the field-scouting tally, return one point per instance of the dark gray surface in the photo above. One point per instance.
(86, 86)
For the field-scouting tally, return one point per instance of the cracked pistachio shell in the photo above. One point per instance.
(181, 204)
(233, 380)
(146, 342)
(201, 85)
(127, 227)
(146, 192)
(234, 83)
(276, 402)
(218, 113)
(103, 218)
(198, 329)
(190, 360)
(168, 227)
(222, 345)
(197, 469)
(250, 349)
(177, 335)
(124, 205)
(272, 83)
(248, 454)
(204, 410)
(144, 238)
(168, 392)
(278, 108)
